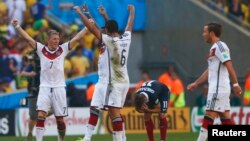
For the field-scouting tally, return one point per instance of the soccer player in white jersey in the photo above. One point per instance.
(220, 69)
(116, 84)
(52, 93)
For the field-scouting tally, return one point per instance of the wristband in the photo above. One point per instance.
(17, 26)
(235, 84)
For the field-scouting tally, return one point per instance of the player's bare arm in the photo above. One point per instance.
(203, 78)
(233, 76)
(103, 12)
(91, 27)
(77, 37)
(25, 35)
(130, 23)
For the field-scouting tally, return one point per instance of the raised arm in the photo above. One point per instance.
(103, 12)
(131, 17)
(91, 27)
(77, 37)
(25, 35)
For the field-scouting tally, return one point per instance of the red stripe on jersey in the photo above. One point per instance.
(211, 53)
(50, 55)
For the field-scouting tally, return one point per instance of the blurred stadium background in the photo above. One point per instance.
(167, 34)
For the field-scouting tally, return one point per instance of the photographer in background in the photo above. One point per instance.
(32, 71)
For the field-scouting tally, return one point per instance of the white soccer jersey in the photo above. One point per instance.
(52, 65)
(103, 65)
(218, 76)
(118, 50)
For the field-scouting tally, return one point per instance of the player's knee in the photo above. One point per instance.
(42, 114)
(94, 111)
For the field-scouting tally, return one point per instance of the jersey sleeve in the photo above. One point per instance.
(65, 47)
(106, 39)
(222, 52)
(39, 48)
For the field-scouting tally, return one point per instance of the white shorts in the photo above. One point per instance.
(116, 95)
(98, 99)
(218, 102)
(53, 98)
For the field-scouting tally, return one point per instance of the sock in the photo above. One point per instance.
(203, 131)
(61, 127)
(40, 128)
(227, 121)
(163, 128)
(124, 138)
(202, 135)
(117, 128)
(150, 127)
(93, 119)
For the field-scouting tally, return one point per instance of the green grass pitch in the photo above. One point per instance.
(130, 137)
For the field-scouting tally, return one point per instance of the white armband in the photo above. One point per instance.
(235, 84)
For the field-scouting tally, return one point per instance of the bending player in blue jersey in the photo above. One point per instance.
(152, 97)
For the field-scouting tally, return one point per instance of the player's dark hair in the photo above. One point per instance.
(214, 27)
(139, 100)
(111, 26)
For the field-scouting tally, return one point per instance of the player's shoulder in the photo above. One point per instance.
(220, 45)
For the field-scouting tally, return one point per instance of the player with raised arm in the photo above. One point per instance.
(152, 97)
(220, 70)
(97, 102)
(113, 89)
(52, 93)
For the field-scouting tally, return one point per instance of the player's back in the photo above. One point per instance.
(118, 49)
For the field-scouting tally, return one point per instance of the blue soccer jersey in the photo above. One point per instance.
(156, 93)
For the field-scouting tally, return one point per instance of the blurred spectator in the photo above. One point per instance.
(80, 64)
(235, 9)
(3, 9)
(246, 94)
(165, 77)
(235, 100)
(88, 39)
(246, 12)
(90, 91)
(177, 96)
(22, 81)
(144, 77)
(10, 67)
(201, 100)
(16, 9)
(38, 10)
(67, 68)
(41, 26)
(76, 97)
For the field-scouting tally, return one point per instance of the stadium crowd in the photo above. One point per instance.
(236, 10)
